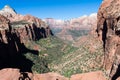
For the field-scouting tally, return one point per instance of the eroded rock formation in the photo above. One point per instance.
(26, 27)
(108, 28)
(15, 31)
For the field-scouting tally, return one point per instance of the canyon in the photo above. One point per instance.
(24, 49)
(29, 48)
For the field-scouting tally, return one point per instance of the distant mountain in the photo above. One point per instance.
(73, 28)
(83, 22)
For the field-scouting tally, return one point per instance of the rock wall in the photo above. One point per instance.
(14, 36)
(108, 29)
(24, 29)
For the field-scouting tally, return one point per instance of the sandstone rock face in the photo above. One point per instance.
(15, 74)
(35, 20)
(9, 74)
(108, 29)
(98, 75)
(15, 32)
(26, 27)
(24, 30)
(29, 18)
(3, 23)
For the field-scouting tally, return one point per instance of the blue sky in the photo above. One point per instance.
(58, 9)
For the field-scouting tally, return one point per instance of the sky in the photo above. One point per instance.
(58, 9)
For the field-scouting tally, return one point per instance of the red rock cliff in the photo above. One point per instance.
(15, 32)
(108, 28)
(26, 27)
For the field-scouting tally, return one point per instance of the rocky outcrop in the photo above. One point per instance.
(9, 74)
(7, 11)
(108, 28)
(14, 74)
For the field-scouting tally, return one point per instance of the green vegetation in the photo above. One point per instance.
(40, 63)
(51, 49)
(70, 72)
(57, 56)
